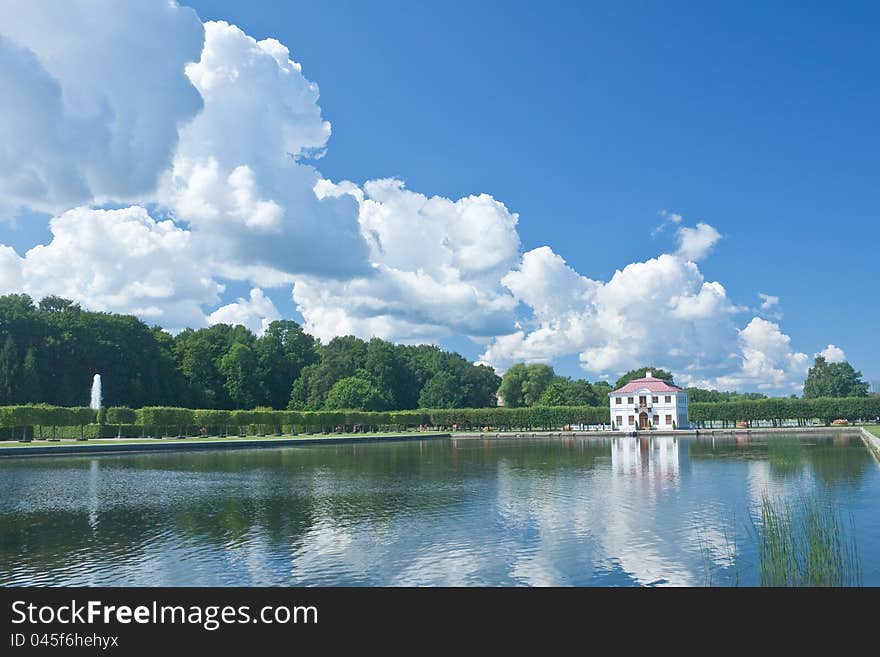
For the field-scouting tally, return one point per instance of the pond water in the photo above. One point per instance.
(538, 511)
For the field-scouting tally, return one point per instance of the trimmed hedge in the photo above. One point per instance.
(19, 422)
(43, 415)
(779, 410)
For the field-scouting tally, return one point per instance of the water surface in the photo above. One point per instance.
(555, 511)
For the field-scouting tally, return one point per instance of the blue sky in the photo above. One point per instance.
(590, 119)
(760, 118)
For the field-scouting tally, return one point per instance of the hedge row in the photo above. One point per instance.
(159, 421)
(163, 421)
(779, 410)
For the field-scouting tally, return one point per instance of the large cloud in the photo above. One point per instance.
(117, 260)
(658, 309)
(436, 267)
(238, 177)
(661, 311)
(256, 312)
(225, 144)
(832, 354)
(94, 93)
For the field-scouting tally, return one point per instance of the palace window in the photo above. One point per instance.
(629, 400)
(655, 400)
(617, 400)
(668, 398)
(668, 419)
(632, 420)
(642, 401)
(656, 419)
(619, 420)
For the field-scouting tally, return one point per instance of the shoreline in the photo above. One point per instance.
(103, 446)
(648, 434)
(872, 442)
(108, 446)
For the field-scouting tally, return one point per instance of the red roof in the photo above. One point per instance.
(652, 384)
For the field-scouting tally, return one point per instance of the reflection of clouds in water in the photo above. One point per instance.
(762, 481)
(443, 565)
(554, 528)
(540, 513)
(600, 519)
(641, 535)
(553, 520)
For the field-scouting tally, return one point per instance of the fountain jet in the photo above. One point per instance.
(96, 392)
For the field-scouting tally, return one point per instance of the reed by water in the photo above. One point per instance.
(807, 543)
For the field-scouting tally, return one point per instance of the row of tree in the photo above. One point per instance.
(50, 351)
(779, 410)
(158, 421)
(538, 385)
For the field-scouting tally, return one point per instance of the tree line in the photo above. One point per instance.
(49, 352)
(46, 421)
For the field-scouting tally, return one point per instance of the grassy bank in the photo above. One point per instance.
(873, 428)
(213, 439)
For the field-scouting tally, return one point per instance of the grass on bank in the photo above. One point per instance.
(807, 543)
(213, 439)
(873, 428)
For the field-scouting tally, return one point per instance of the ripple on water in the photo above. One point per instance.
(412, 514)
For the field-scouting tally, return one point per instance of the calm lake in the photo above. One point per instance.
(554, 511)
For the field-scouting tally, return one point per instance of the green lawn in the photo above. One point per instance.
(263, 439)
(874, 428)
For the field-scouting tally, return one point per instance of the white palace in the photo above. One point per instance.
(649, 402)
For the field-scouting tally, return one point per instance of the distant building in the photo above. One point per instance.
(649, 402)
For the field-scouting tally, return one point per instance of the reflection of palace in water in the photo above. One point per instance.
(657, 457)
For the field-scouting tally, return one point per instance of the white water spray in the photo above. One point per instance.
(96, 393)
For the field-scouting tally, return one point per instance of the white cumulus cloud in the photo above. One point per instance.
(239, 178)
(832, 354)
(658, 309)
(94, 93)
(120, 261)
(436, 267)
(696, 243)
(219, 135)
(768, 301)
(255, 312)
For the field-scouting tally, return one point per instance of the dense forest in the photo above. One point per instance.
(49, 352)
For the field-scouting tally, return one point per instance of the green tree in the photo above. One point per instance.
(523, 385)
(639, 373)
(238, 367)
(833, 380)
(480, 384)
(340, 358)
(53, 304)
(556, 393)
(387, 369)
(199, 354)
(9, 366)
(511, 389)
(355, 393)
(601, 390)
(566, 392)
(300, 391)
(443, 390)
(30, 379)
(283, 352)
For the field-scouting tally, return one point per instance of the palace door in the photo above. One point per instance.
(643, 420)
